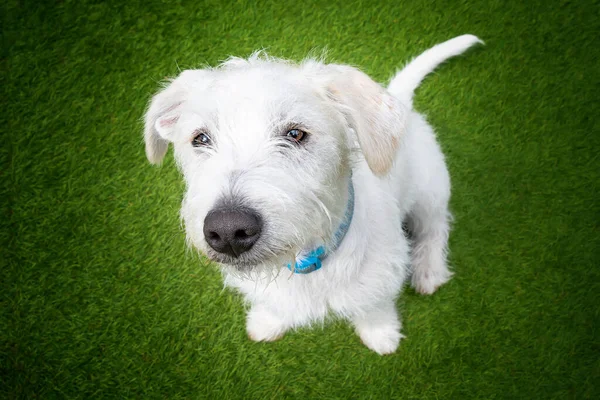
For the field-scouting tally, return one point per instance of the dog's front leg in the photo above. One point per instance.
(379, 328)
(263, 325)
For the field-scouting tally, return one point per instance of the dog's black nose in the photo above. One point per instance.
(232, 232)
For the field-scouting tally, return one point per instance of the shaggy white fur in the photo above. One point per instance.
(234, 131)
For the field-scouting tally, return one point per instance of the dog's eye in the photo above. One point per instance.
(201, 139)
(296, 135)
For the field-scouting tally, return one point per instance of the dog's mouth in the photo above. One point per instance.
(259, 257)
(239, 263)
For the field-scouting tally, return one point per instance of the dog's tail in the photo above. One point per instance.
(406, 81)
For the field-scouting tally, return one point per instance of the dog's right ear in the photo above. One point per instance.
(164, 112)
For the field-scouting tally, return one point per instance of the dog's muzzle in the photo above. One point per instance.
(232, 231)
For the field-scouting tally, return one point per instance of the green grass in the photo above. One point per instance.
(101, 299)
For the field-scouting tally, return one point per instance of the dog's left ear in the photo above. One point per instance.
(377, 117)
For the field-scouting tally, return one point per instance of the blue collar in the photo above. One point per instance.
(312, 261)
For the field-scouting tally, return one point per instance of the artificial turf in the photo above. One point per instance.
(101, 299)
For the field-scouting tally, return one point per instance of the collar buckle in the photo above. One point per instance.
(313, 260)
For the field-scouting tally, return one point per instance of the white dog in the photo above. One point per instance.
(299, 178)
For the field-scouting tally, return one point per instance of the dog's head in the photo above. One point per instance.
(265, 149)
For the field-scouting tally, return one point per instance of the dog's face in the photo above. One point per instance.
(264, 148)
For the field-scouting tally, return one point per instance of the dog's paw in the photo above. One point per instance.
(382, 339)
(427, 282)
(263, 326)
